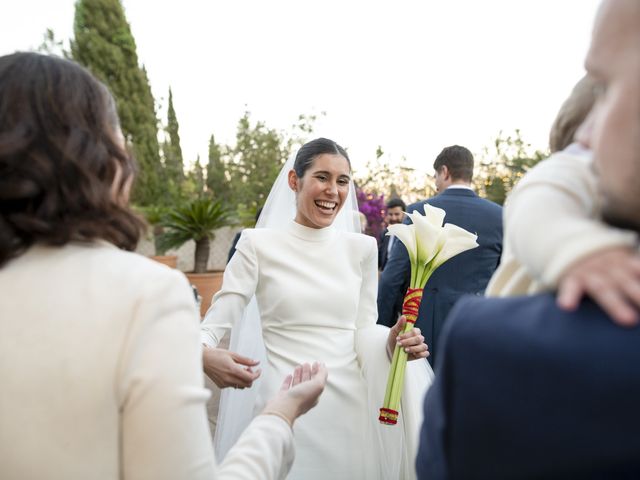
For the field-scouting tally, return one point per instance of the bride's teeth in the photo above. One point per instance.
(330, 205)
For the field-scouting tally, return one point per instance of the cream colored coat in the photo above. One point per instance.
(552, 220)
(101, 374)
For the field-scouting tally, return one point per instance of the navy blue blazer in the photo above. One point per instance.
(525, 390)
(468, 272)
(383, 245)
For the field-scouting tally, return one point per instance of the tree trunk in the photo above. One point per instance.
(202, 255)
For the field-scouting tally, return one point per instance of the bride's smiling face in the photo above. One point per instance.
(322, 190)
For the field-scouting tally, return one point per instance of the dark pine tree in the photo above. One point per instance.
(104, 44)
(174, 166)
(217, 181)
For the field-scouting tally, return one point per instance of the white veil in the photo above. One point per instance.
(237, 406)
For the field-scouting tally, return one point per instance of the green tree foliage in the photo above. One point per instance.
(52, 45)
(253, 163)
(104, 44)
(217, 176)
(501, 165)
(171, 149)
(197, 176)
(195, 220)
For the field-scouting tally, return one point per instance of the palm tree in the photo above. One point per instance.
(195, 220)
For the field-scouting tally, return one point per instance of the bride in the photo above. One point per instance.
(304, 287)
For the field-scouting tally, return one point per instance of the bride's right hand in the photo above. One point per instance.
(299, 392)
(228, 369)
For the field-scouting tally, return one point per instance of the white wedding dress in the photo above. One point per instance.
(316, 293)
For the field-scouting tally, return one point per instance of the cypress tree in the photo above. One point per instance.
(217, 181)
(173, 152)
(104, 44)
(197, 176)
(257, 158)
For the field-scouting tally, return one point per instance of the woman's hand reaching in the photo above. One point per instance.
(299, 392)
(611, 278)
(412, 341)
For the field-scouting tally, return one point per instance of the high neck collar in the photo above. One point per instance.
(311, 234)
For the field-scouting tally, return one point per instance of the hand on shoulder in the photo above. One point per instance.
(611, 278)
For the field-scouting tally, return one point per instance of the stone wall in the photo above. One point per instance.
(217, 258)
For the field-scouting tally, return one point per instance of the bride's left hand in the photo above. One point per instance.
(412, 341)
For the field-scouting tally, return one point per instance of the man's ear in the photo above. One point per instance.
(293, 180)
(445, 172)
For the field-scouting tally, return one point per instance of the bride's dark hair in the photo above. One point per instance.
(310, 150)
(64, 170)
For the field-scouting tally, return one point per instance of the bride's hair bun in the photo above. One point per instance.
(310, 150)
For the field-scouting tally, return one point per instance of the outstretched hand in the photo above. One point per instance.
(229, 369)
(611, 278)
(299, 392)
(412, 341)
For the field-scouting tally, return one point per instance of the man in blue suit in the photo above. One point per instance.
(523, 389)
(395, 214)
(468, 272)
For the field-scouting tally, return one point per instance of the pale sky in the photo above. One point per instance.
(412, 76)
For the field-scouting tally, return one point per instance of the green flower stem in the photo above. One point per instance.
(395, 380)
(398, 381)
(414, 276)
(426, 274)
(394, 363)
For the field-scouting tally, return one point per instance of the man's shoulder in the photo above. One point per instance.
(464, 195)
(473, 208)
(514, 313)
(533, 326)
(416, 206)
(454, 196)
(488, 204)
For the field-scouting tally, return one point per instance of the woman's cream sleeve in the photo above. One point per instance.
(552, 218)
(160, 392)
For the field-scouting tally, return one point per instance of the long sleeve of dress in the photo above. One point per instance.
(552, 220)
(367, 306)
(238, 286)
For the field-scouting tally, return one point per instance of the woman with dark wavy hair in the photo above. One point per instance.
(88, 387)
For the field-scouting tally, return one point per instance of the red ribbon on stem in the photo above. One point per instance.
(411, 304)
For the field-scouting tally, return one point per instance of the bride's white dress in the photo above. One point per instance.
(316, 292)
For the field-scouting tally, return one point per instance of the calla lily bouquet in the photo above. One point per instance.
(429, 244)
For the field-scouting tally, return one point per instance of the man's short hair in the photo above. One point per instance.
(458, 160)
(396, 202)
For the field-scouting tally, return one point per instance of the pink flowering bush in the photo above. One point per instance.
(373, 207)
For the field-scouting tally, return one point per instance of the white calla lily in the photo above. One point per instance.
(428, 235)
(434, 215)
(429, 244)
(456, 240)
(407, 235)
